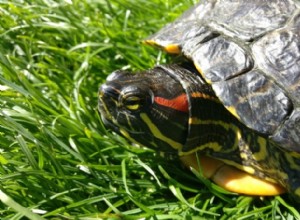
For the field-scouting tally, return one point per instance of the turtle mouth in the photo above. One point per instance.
(105, 113)
(106, 118)
(108, 123)
(118, 128)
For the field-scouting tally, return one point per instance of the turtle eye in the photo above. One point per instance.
(133, 98)
(132, 103)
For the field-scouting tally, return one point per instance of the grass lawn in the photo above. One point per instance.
(56, 159)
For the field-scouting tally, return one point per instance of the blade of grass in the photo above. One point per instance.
(17, 207)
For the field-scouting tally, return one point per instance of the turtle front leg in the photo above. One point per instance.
(231, 178)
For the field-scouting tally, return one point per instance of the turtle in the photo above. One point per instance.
(229, 105)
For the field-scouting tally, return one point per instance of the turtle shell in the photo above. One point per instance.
(249, 51)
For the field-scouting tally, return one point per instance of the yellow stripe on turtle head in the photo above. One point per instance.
(291, 161)
(126, 135)
(156, 132)
(262, 153)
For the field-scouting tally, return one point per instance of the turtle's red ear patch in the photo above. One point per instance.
(180, 103)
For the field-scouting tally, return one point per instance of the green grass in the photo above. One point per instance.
(56, 159)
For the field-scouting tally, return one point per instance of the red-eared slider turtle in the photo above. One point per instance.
(234, 103)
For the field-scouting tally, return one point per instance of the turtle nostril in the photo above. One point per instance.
(102, 89)
(101, 92)
(109, 91)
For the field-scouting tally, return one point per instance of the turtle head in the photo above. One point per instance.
(149, 108)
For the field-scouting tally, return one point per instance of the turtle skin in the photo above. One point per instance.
(249, 51)
(245, 57)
